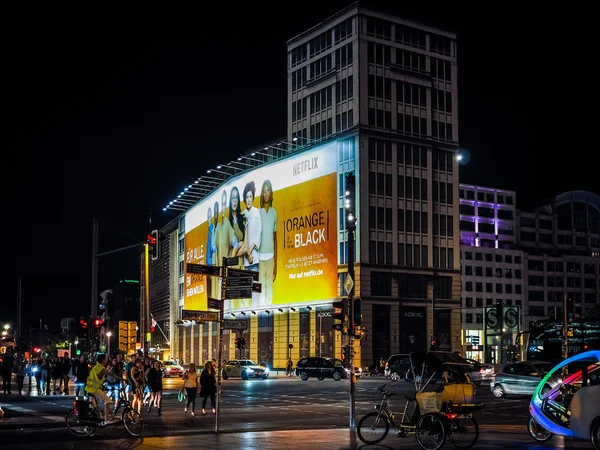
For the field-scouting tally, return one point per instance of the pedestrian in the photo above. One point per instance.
(137, 375)
(289, 367)
(81, 374)
(208, 386)
(128, 378)
(21, 372)
(8, 364)
(66, 370)
(192, 386)
(154, 377)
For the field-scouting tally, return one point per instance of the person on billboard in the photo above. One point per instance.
(214, 281)
(253, 230)
(267, 266)
(226, 239)
(209, 216)
(236, 219)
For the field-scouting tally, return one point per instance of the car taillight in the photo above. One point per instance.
(482, 371)
(387, 365)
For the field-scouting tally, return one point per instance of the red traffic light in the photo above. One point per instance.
(98, 323)
(83, 323)
(151, 239)
(36, 349)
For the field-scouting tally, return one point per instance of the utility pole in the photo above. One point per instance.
(146, 309)
(19, 303)
(94, 309)
(350, 207)
(224, 274)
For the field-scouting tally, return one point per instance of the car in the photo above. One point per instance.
(171, 369)
(521, 378)
(320, 368)
(244, 369)
(397, 366)
(481, 371)
(338, 362)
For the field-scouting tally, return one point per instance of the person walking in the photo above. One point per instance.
(137, 375)
(8, 363)
(289, 367)
(21, 372)
(208, 386)
(81, 374)
(154, 377)
(192, 386)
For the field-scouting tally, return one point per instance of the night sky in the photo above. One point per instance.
(111, 116)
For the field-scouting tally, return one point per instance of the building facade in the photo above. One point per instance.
(383, 91)
(526, 261)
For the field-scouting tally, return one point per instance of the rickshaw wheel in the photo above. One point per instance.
(595, 434)
(537, 432)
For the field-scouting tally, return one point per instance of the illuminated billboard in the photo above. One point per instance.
(278, 220)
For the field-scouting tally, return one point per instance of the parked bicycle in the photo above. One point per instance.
(85, 417)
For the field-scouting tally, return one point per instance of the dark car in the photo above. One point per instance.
(397, 366)
(319, 368)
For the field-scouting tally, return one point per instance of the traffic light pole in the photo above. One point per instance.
(351, 329)
(224, 274)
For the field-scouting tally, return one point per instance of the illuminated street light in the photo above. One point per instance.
(6, 327)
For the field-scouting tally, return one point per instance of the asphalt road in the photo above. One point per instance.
(253, 405)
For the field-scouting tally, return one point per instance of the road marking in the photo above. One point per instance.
(32, 412)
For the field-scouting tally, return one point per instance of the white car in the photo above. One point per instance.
(244, 369)
(171, 369)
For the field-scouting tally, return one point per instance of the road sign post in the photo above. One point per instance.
(224, 276)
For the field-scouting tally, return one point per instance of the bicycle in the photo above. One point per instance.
(84, 418)
(424, 426)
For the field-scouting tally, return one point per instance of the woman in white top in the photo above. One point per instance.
(191, 383)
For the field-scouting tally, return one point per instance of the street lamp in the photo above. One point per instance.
(76, 342)
(108, 335)
(7, 327)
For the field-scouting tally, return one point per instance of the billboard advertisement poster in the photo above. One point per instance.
(279, 220)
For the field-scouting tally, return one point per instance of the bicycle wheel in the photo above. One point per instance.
(430, 432)
(463, 433)
(373, 428)
(133, 422)
(538, 432)
(76, 428)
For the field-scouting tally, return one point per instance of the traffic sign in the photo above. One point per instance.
(231, 261)
(348, 284)
(242, 273)
(213, 303)
(234, 293)
(200, 316)
(235, 324)
(241, 282)
(202, 269)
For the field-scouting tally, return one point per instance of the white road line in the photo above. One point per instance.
(32, 412)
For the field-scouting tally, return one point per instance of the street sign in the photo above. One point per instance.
(348, 284)
(243, 273)
(257, 287)
(234, 293)
(241, 282)
(202, 269)
(235, 324)
(213, 303)
(200, 316)
(231, 261)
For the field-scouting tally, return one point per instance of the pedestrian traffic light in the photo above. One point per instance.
(83, 326)
(153, 244)
(433, 345)
(237, 343)
(97, 323)
(349, 202)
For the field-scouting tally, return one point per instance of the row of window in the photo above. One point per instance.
(488, 197)
(412, 221)
(575, 282)
(344, 121)
(484, 211)
(408, 154)
(320, 67)
(442, 131)
(321, 129)
(488, 302)
(489, 257)
(490, 272)
(382, 29)
(489, 287)
(558, 266)
(322, 99)
(442, 192)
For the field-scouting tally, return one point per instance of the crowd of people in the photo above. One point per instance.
(141, 379)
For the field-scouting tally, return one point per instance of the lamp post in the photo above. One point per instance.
(108, 335)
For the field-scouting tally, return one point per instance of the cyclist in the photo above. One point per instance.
(94, 384)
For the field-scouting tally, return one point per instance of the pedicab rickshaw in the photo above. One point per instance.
(572, 407)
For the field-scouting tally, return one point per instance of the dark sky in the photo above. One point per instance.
(110, 116)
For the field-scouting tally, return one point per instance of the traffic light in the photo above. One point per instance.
(83, 326)
(357, 312)
(433, 345)
(500, 314)
(340, 312)
(569, 309)
(242, 342)
(238, 343)
(350, 202)
(153, 244)
(97, 323)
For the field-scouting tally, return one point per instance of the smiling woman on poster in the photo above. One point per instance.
(253, 229)
(237, 222)
(267, 266)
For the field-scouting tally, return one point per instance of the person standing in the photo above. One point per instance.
(8, 363)
(66, 370)
(137, 375)
(81, 372)
(192, 386)
(154, 377)
(267, 265)
(208, 386)
(21, 372)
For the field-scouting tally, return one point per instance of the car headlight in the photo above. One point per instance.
(249, 370)
(266, 370)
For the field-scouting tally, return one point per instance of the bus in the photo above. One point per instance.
(543, 341)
